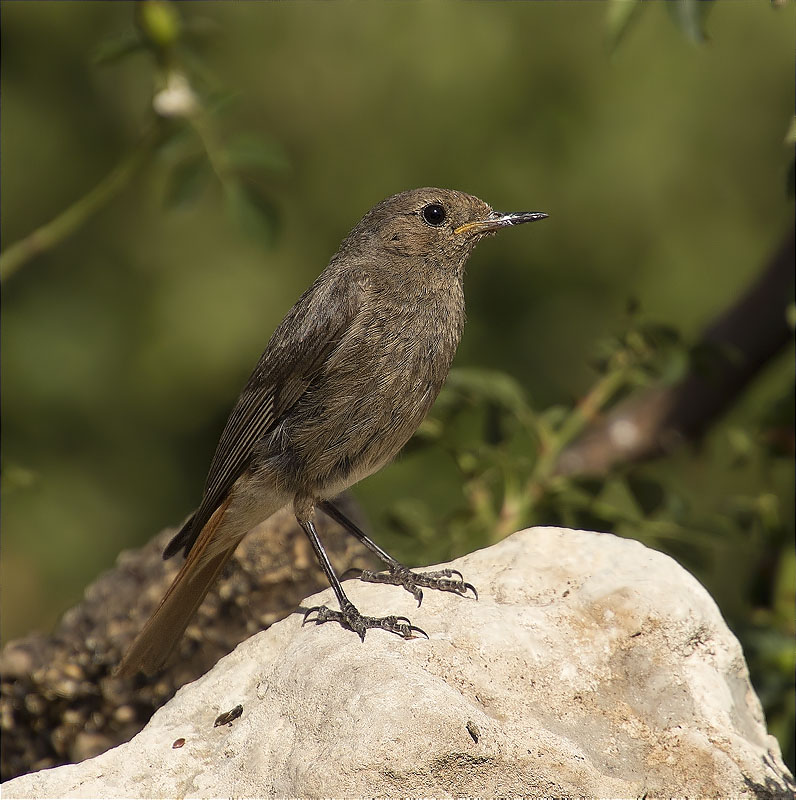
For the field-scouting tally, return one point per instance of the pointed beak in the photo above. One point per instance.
(497, 220)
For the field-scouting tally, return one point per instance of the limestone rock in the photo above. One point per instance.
(590, 666)
(59, 699)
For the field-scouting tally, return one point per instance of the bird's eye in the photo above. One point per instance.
(433, 214)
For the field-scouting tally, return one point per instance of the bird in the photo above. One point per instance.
(344, 382)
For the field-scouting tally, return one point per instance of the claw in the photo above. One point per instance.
(444, 580)
(349, 617)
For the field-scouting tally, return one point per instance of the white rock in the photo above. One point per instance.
(590, 666)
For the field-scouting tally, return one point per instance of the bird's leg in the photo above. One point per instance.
(446, 580)
(348, 615)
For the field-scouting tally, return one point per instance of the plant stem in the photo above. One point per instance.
(597, 398)
(68, 221)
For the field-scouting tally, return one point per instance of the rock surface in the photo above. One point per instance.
(590, 666)
(59, 700)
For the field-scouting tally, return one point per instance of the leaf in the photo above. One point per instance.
(660, 335)
(489, 385)
(117, 47)
(551, 419)
(17, 476)
(186, 182)
(649, 494)
(790, 135)
(689, 16)
(673, 366)
(617, 501)
(585, 485)
(159, 21)
(620, 16)
(251, 209)
(659, 351)
(784, 586)
(178, 142)
(217, 102)
(248, 150)
(412, 519)
(430, 430)
(741, 445)
(790, 315)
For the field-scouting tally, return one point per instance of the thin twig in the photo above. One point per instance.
(68, 221)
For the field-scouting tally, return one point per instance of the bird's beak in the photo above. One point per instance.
(497, 220)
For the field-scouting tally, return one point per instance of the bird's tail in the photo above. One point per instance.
(153, 645)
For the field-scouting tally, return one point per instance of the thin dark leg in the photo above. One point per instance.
(398, 574)
(348, 615)
(334, 512)
(323, 560)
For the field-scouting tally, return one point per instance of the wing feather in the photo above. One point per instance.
(297, 350)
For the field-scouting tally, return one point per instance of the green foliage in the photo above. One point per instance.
(688, 15)
(159, 22)
(251, 209)
(507, 452)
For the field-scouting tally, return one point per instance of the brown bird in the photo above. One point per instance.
(344, 382)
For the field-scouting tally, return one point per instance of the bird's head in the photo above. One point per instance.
(435, 226)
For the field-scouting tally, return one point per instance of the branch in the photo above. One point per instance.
(68, 221)
(738, 344)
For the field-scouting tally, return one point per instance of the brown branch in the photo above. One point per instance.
(736, 346)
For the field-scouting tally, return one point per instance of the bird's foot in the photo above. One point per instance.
(446, 580)
(349, 617)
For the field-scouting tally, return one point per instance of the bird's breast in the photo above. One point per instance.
(372, 393)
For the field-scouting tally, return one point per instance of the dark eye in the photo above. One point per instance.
(433, 214)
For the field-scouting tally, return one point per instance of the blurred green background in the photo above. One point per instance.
(661, 163)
